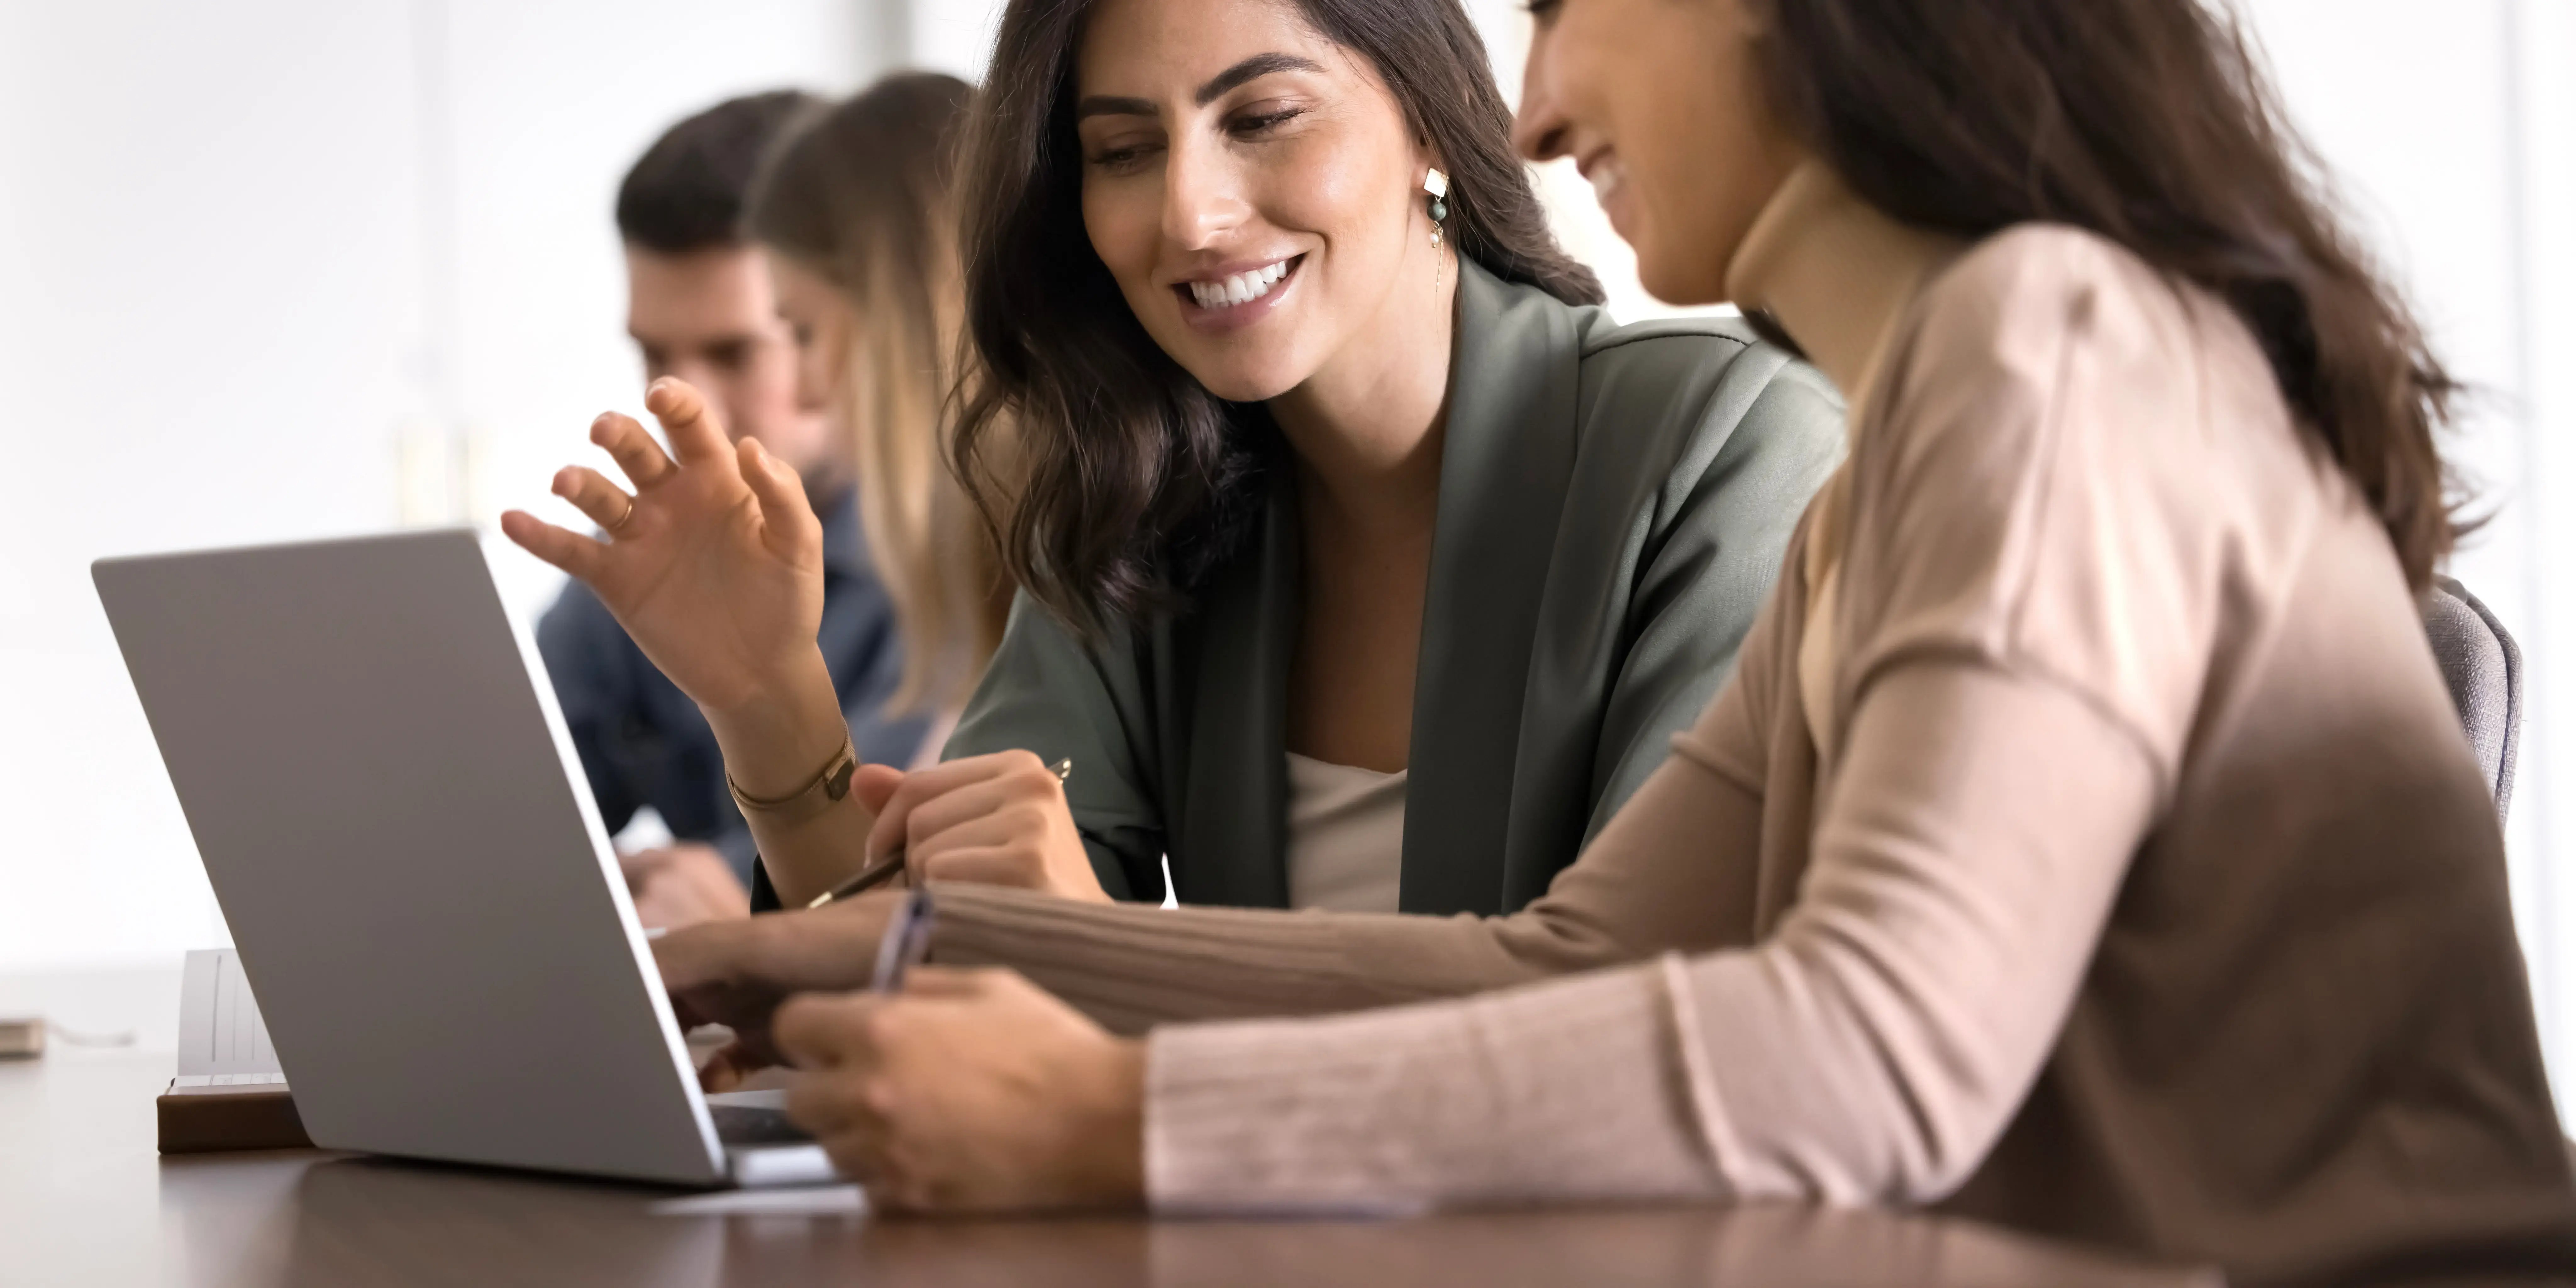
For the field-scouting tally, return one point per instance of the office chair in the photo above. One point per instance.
(2483, 668)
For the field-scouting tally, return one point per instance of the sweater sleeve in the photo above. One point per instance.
(1627, 898)
(1871, 1049)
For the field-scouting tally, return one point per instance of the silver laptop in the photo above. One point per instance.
(391, 812)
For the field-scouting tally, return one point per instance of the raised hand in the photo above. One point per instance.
(714, 565)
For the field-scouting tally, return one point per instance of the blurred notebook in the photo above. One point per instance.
(230, 1092)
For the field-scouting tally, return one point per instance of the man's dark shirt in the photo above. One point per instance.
(642, 741)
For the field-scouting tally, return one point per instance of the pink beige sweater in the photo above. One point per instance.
(2148, 895)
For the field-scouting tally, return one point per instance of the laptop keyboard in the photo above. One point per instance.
(745, 1125)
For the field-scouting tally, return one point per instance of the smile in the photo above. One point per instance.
(1240, 288)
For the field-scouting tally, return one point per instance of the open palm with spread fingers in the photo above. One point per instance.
(715, 563)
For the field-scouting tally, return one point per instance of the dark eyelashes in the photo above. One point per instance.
(1242, 126)
(1267, 120)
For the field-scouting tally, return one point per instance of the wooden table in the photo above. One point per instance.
(85, 1200)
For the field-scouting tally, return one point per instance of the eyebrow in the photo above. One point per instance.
(1250, 69)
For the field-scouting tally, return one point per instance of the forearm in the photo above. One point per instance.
(1130, 966)
(1872, 1050)
(1673, 872)
(774, 745)
(1565, 1091)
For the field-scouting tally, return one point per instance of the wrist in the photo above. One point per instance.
(1114, 1166)
(780, 733)
(833, 948)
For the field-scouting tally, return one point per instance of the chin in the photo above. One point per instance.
(1681, 280)
(1243, 382)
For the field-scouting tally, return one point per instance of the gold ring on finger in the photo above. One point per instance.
(624, 517)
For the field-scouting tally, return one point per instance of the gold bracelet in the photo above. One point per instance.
(829, 788)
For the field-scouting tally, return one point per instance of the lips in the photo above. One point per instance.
(1239, 289)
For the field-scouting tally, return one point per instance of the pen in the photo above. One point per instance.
(883, 870)
(906, 942)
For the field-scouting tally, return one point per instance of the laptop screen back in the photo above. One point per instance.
(369, 756)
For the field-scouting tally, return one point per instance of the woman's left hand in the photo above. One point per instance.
(970, 1091)
(999, 820)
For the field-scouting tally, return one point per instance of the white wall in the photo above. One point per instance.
(2542, 46)
(248, 252)
(952, 36)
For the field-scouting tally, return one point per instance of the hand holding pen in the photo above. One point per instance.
(999, 819)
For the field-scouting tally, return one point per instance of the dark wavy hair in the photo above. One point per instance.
(1112, 480)
(2150, 123)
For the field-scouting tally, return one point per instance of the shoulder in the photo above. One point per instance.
(2050, 335)
(1043, 664)
(1688, 395)
(1712, 337)
(1672, 346)
(2034, 264)
(1656, 383)
(2077, 466)
(2047, 303)
(1700, 355)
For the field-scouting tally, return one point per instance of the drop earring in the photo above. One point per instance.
(1437, 184)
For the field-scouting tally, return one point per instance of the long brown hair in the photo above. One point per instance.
(2150, 123)
(1136, 480)
(861, 195)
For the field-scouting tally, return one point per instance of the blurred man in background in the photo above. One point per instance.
(699, 307)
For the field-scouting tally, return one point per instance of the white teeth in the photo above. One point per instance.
(1242, 288)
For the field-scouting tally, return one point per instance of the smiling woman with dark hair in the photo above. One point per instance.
(1366, 567)
(1366, 563)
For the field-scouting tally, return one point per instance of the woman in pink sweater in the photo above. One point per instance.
(2085, 842)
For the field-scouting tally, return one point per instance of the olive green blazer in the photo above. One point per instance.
(1614, 504)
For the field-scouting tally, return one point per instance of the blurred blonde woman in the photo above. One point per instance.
(856, 213)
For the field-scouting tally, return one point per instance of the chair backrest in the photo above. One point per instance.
(2484, 669)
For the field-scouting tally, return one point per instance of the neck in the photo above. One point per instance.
(1366, 427)
(1835, 272)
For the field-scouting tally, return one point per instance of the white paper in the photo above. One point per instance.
(773, 1098)
(220, 1032)
(820, 1200)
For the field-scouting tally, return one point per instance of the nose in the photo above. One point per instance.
(1539, 129)
(1202, 195)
